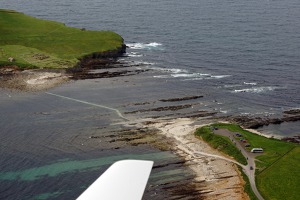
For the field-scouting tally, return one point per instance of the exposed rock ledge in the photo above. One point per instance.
(103, 58)
(256, 122)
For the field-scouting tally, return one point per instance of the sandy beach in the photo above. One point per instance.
(219, 179)
(32, 80)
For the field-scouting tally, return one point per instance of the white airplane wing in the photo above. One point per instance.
(125, 180)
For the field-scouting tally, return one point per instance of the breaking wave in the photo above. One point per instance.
(200, 76)
(141, 63)
(178, 73)
(193, 75)
(250, 83)
(134, 54)
(220, 76)
(149, 46)
(256, 89)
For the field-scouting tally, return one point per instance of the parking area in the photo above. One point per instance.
(240, 142)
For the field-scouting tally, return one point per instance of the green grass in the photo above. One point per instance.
(26, 56)
(282, 179)
(274, 149)
(221, 143)
(22, 36)
(279, 165)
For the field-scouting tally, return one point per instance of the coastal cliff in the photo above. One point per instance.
(101, 58)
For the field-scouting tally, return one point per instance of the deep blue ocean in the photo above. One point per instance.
(243, 56)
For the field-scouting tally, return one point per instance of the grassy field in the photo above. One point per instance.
(278, 170)
(274, 149)
(282, 179)
(42, 43)
(221, 143)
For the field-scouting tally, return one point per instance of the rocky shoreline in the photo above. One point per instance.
(29, 79)
(248, 122)
(213, 178)
(257, 122)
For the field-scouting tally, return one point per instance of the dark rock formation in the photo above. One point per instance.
(292, 112)
(181, 99)
(101, 58)
(8, 70)
(295, 139)
(166, 108)
(99, 61)
(256, 122)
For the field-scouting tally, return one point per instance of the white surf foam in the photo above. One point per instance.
(199, 76)
(256, 89)
(149, 46)
(250, 83)
(193, 75)
(134, 54)
(162, 76)
(231, 86)
(135, 63)
(224, 111)
(193, 79)
(219, 76)
(181, 73)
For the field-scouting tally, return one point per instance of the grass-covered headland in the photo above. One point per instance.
(26, 41)
(278, 168)
(221, 143)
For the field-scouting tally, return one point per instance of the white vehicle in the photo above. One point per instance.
(257, 150)
(124, 180)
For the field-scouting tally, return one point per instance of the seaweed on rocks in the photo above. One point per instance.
(181, 98)
(256, 122)
(292, 112)
(159, 109)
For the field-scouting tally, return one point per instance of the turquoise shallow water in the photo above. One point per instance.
(71, 177)
(61, 167)
(47, 151)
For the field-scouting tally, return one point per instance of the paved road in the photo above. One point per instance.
(250, 158)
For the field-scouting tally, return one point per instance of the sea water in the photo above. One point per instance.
(246, 53)
(242, 56)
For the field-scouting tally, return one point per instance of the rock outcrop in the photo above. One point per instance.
(256, 122)
(101, 58)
